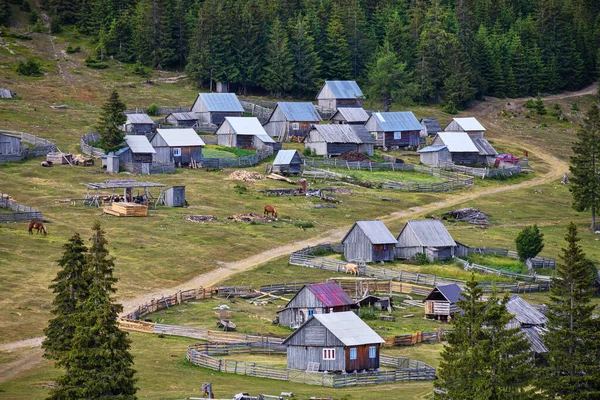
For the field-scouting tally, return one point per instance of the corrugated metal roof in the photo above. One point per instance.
(349, 328)
(432, 124)
(330, 294)
(139, 119)
(345, 89)
(458, 142)
(265, 138)
(183, 116)
(484, 147)
(343, 133)
(451, 292)
(350, 114)
(221, 102)
(376, 231)
(432, 149)
(284, 157)
(180, 137)
(363, 134)
(139, 144)
(430, 233)
(246, 125)
(469, 124)
(534, 335)
(397, 121)
(524, 312)
(300, 111)
(5, 94)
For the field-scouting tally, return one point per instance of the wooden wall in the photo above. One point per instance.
(9, 144)
(407, 138)
(362, 360)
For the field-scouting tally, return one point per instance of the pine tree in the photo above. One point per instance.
(573, 359)
(336, 55)
(70, 290)
(387, 78)
(307, 63)
(529, 242)
(5, 12)
(111, 118)
(585, 166)
(279, 66)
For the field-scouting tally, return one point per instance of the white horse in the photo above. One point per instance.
(352, 268)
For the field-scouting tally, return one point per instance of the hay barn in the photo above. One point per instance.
(292, 119)
(137, 156)
(336, 94)
(212, 108)
(435, 156)
(287, 162)
(440, 303)
(336, 139)
(183, 119)
(369, 241)
(429, 237)
(180, 146)
(243, 132)
(139, 124)
(394, 129)
(431, 127)
(469, 125)
(460, 145)
(350, 115)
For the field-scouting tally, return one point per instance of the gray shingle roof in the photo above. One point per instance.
(432, 124)
(343, 133)
(451, 292)
(376, 231)
(299, 111)
(345, 89)
(139, 144)
(430, 233)
(524, 312)
(484, 147)
(534, 335)
(180, 137)
(139, 119)
(284, 157)
(356, 114)
(397, 121)
(183, 116)
(458, 142)
(221, 102)
(349, 328)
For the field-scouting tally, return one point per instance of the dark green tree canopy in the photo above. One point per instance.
(111, 118)
(530, 242)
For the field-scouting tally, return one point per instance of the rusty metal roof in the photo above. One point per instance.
(330, 294)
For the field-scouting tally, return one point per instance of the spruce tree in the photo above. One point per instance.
(529, 242)
(573, 359)
(387, 78)
(278, 77)
(111, 118)
(307, 63)
(585, 166)
(336, 55)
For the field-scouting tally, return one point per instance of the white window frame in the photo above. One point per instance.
(295, 126)
(176, 151)
(397, 135)
(372, 351)
(353, 353)
(328, 354)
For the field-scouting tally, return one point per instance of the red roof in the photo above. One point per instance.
(330, 293)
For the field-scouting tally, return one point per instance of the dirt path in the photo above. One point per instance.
(26, 361)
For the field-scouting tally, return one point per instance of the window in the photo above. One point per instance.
(310, 312)
(328, 354)
(295, 126)
(176, 152)
(353, 353)
(372, 351)
(397, 135)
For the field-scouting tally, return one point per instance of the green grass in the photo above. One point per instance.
(382, 176)
(444, 270)
(498, 262)
(212, 151)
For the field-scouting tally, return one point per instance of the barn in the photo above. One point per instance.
(315, 298)
(469, 125)
(183, 119)
(440, 303)
(394, 129)
(431, 127)
(529, 320)
(243, 132)
(336, 139)
(369, 241)
(287, 162)
(292, 119)
(212, 108)
(336, 94)
(435, 156)
(487, 153)
(429, 237)
(335, 342)
(139, 124)
(137, 156)
(460, 145)
(180, 146)
(9, 144)
(350, 115)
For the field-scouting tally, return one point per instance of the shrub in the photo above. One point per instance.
(240, 189)
(141, 70)
(29, 68)
(152, 110)
(450, 108)
(530, 104)
(307, 152)
(574, 107)
(529, 242)
(55, 26)
(25, 6)
(421, 259)
(34, 17)
(71, 49)
(94, 63)
(304, 225)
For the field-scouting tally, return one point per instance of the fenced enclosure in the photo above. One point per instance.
(484, 172)
(86, 148)
(240, 162)
(467, 266)
(537, 262)
(39, 147)
(21, 212)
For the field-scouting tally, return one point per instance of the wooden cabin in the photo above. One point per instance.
(137, 156)
(487, 153)
(460, 145)
(292, 119)
(369, 241)
(183, 119)
(350, 115)
(431, 127)
(336, 94)
(287, 162)
(180, 146)
(394, 129)
(440, 303)
(139, 124)
(335, 342)
(429, 237)
(336, 139)
(212, 108)
(245, 133)
(529, 320)
(469, 125)
(435, 156)
(9, 144)
(315, 298)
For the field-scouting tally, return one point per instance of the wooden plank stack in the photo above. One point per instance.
(127, 210)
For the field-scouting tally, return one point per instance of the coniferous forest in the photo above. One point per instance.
(449, 51)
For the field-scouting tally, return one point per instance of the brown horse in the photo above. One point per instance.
(270, 210)
(37, 225)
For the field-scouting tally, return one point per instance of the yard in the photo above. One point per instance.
(214, 151)
(382, 176)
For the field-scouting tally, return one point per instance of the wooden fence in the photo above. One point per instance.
(435, 336)
(21, 213)
(537, 262)
(260, 112)
(168, 301)
(467, 266)
(41, 147)
(86, 148)
(240, 162)
(483, 172)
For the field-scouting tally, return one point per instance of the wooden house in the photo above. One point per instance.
(394, 129)
(440, 303)
(335, 139)
(336, 94)
(429, 237)
(431, 127)
(180, 146)
(212, 108)
(369, 241)
(460, 145)
(335, 342)
(9, 144)
(292, 119)
(243, 132)
(469, 125)
(435, 156)
(350, 115)
(529, 320)
(315, 298)
(287, 162)
(137, 156)
(183, 119)
(139, 124)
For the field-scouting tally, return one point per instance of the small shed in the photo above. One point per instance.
(469, 125)
(137, 156)
(440, 303)
(334, 342)
(394, 129)
(369, 241)
(350, 115)
(431, 127)
(9, 144)
(139, 124)
(292, 119)
(175, 196)
(315, 298)
(429, 237)
(183, 119)
(435, 156)
(375, 302)
(460, 145)
(336, 94)
(336, 139)
(212, 108)
(112, 163)
(243, 132)
(180, 146)
(487, 153)
(287, 162)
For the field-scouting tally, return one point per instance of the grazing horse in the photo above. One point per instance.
(37, 225)
(352, 268)
(270, 210)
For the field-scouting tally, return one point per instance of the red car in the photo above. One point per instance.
(507, 158)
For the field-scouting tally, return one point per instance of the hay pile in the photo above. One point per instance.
(354, 156)
(245, 176)
(251, 218)
(201, 218)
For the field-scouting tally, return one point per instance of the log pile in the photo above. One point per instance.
(127, 210)
(470, 215)
(59, 158)
(201, 218)
(245, 176)
(251, 218)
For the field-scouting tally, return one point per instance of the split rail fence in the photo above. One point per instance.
(86, 148)
(537, 262)
(41, 147)
(21, 213)
(467, 266)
